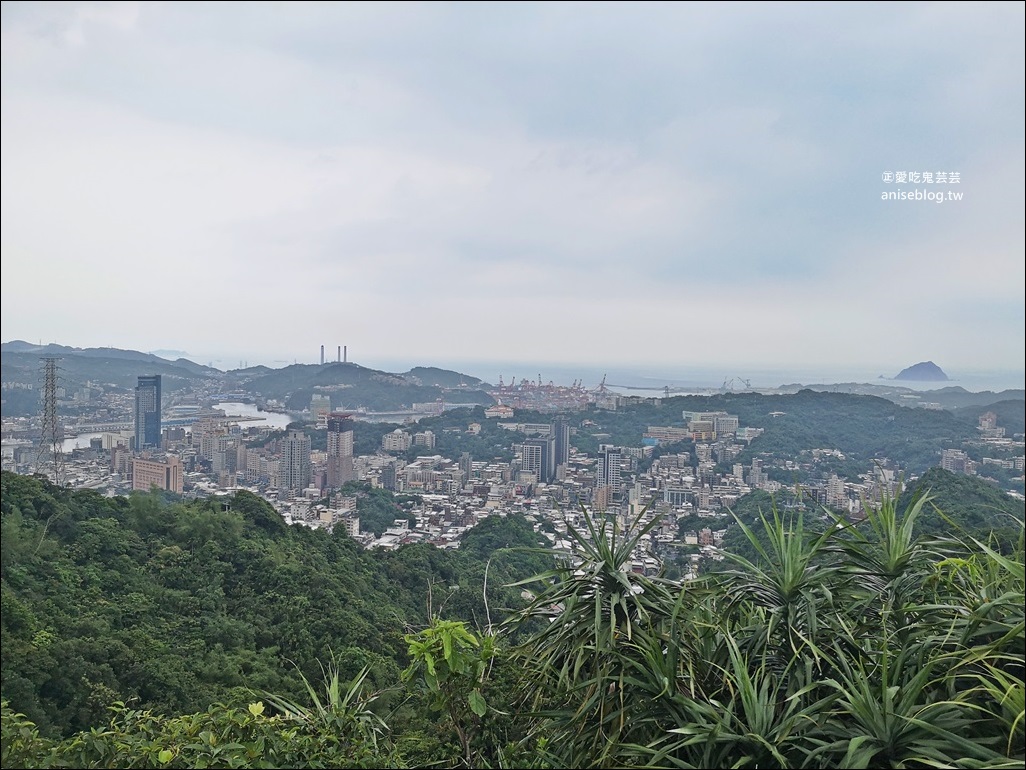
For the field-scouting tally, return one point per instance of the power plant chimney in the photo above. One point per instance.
(345, 354)
(340, 354)
(322, 355)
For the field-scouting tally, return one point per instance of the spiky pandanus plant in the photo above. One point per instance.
(607, 650)
(986, 640)
(851, 647)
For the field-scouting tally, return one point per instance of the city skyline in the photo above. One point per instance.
(648, 185)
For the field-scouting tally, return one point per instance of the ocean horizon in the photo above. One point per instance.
(682, 376)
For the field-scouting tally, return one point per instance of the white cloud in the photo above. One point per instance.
(670, 181)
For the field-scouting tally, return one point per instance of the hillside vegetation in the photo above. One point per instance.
(351, 385)
(175, 606)
(142, 633)
(864, 428)
(961, 505)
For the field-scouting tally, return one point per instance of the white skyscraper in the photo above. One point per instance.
(294, 471)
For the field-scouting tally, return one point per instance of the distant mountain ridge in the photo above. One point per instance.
(59, 351)
(948, 397)
(350, 385)
(353, 386)
(443, 378)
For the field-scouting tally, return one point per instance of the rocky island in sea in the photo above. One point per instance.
(925, 371)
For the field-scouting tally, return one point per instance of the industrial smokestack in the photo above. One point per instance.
(345, 354)
(322, 355)
(340, 354)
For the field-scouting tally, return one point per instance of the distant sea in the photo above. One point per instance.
(655, 377)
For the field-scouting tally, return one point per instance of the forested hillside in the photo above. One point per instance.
(146, 633)
(961, 504)
(862, 427)
(350, 386)
(175, 606)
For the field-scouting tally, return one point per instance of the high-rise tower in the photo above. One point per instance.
(147, 413)
(340, 449)
(294, 470)
(608, 470)
(561, 432)
(539, 455)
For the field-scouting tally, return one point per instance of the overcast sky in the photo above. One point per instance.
(543, 183)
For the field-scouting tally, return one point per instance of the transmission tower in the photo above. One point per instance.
(50, 457)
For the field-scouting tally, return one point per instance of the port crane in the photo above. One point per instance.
(728, 383)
